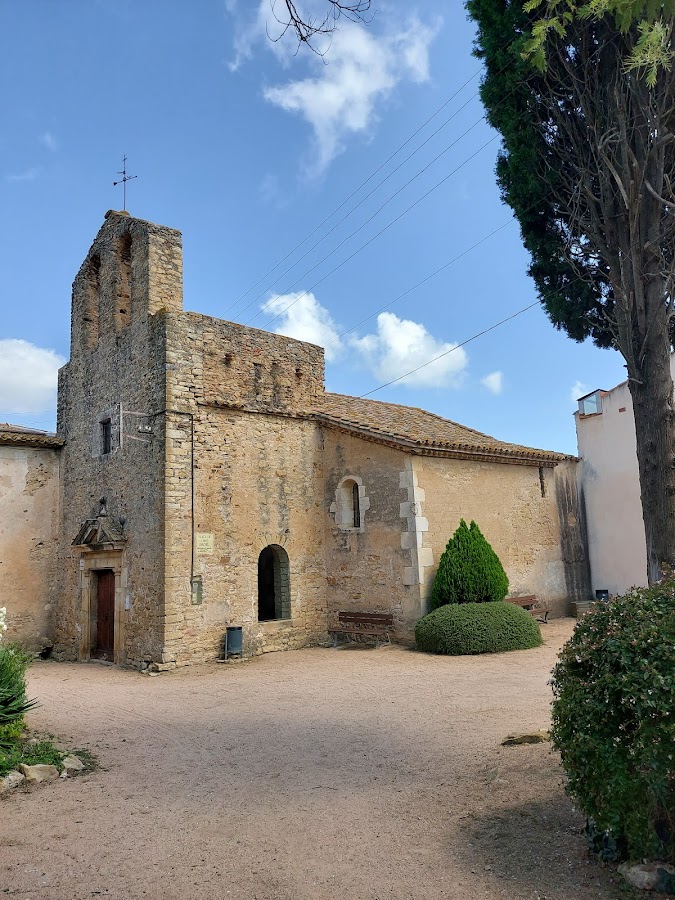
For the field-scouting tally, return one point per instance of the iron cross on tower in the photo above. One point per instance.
(123, 180)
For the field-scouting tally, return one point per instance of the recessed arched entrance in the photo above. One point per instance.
(274, 586)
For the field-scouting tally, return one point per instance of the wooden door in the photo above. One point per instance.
(105, 615)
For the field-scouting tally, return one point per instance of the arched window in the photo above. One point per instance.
(123, 295)
(274, 584)
(356, 506)
(350, 504)
(91, 302)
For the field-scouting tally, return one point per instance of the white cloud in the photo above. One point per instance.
(247, 34)
(494, 382)
(28, 377)
(27, 175)
(302, 317)
(400, 345)
(360, 70)
(48, 139)
(579, 389)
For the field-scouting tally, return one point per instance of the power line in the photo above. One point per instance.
(372, 175)
(423, 281)
(351, 256)
(363, 200)
(371, 239)
(452, 349)
(369, 178)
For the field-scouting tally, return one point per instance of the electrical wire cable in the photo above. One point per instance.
(452, 349)
(363, 200)
(370, 240)
(369, 178)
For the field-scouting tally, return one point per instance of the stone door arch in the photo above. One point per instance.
(274, 584)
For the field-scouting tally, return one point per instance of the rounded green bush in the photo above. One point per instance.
(461, 629)
(469, 570)
(614, 719)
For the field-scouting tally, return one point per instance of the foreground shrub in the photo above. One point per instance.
(13, 702)
(460, 629)
(469, 570)
(614, 719)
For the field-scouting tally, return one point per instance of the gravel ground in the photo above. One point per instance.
(357, 774)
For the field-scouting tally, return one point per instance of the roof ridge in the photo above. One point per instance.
(421, 410)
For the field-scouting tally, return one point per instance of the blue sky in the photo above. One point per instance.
(247, 146)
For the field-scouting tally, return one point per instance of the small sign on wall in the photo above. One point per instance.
(204, 543)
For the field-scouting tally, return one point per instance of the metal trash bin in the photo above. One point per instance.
(233, 640)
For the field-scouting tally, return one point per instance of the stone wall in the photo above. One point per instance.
(28, 541)
(117, 373)
(214, 455)
(365, 568)
(243, 472)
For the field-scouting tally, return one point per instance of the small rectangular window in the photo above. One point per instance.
(591, 404)
(106, 436)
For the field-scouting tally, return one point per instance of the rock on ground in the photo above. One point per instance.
(38, 773)
(10, 781)
(72, 764)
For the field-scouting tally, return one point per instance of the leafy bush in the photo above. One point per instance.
(13, 702)
(614, 719)
(459, 629)
(469, 570)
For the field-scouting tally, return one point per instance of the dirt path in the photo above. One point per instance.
(350, 774)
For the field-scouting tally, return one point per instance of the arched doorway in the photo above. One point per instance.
(274, 588)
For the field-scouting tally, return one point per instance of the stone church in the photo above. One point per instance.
(201, 477)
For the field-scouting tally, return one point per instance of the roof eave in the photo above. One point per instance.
(35, 441)
(460, 451)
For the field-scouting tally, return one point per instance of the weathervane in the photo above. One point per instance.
(123, 180)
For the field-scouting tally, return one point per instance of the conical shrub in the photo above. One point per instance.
(469, 571)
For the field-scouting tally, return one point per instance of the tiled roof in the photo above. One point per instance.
(20, 436)
(421, 431)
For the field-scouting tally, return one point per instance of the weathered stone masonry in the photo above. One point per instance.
(206, 480)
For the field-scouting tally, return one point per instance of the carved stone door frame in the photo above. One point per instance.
(92, 561)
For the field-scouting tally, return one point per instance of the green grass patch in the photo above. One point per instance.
(30, 752)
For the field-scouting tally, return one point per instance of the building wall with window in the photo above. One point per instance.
(365, 564)
(208, 481)
(112, 396)
(29, 528)
(611, 484)
(241, 432)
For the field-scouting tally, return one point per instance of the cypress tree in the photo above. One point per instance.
(469, 570)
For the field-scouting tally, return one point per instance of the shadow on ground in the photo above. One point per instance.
(524, 846)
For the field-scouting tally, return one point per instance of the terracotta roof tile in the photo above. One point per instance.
(20, 436)
(420, 430)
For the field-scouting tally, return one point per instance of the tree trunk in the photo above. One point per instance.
(651, 388)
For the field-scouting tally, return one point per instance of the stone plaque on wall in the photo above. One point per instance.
(204, 543)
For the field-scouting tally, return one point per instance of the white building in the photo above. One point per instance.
(607, 447)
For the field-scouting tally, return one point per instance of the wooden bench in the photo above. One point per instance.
(531, 604)
(363, 624)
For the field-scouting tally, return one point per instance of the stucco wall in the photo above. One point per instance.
(616, 534)
(523, 524)
(28, 541)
